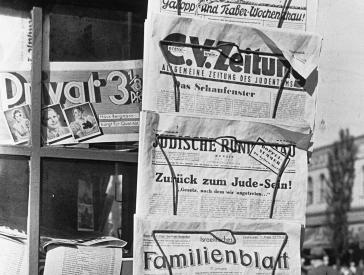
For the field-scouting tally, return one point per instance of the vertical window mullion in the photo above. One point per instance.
(35, 161)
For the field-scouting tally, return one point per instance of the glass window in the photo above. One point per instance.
(83, 104)
(82, 199)
(362, 182)
(14, 187)
(322, 188)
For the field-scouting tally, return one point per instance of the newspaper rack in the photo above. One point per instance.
(219, 48)
(177, 95)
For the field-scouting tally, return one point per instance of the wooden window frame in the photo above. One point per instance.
(35, 152)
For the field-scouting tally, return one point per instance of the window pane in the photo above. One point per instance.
(14, 187)
(310, 191)
(87, 199)
(95, 105)
(322, 188)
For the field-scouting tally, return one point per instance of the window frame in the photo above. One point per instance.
(322, 193)
(310, 191)
(35, 152)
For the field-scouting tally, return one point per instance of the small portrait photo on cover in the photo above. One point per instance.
(18, 121)
(82, 121)
(54, 125)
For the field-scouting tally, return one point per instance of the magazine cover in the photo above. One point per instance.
(54, 125)
(100, 101)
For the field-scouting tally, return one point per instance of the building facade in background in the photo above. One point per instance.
(317, 233)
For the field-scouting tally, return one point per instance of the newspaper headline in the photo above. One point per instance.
(203, 167)
(299, 15)
(190, 246)
(221, 69)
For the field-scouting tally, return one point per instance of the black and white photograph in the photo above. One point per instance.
(54, 125)
(82, 121)
(182, 137)
(18, 120)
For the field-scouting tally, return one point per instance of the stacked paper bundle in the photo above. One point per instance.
(96, 255)
(227, 120)
(13, 255)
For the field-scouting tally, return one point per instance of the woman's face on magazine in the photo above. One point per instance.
(52, 119)
(77, 113)
(18, 116)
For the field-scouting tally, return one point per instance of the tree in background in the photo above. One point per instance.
(341, 160)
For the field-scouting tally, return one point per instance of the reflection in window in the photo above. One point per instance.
(310, 191)
(88, 199)
(14, 187)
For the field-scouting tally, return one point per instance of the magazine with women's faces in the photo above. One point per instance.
(101, 100)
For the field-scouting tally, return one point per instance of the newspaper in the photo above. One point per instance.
(224, 247)
(15, 41)
(299, 15)
(95, 101)
(203, 167)
(13, 252)
(15, 108)
(83, 260)
(236, 70)
(105, 241)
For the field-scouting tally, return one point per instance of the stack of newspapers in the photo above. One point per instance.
(229, 101)
(13, 253)
(93, 255)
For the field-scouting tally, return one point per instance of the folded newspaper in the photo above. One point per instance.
(203, 167)
(94, 254)
(13, 252)
(221, 69)
(16, 40)
(105, 241)
(203, 247)
(297, 15)
(83, 260)
(92, 102)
